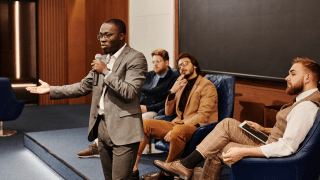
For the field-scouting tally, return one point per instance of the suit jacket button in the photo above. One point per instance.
(95, 117)
(98, 106)
(145, 97)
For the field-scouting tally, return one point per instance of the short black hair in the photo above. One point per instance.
(119, 23)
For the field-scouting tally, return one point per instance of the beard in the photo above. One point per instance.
(186, 76)
(295, 89)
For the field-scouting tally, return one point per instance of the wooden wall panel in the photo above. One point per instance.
(52, 46)
(67, 40)
(97, 12)
(76, 44)
(252, 95)
(176, 30)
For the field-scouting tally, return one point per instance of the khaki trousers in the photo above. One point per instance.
(181, 134)
(225, 135)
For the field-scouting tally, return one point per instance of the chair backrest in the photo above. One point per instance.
(10, 107)
(308, 154)
(6, 90)
(225, 85)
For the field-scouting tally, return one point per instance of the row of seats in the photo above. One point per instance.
(304, 164)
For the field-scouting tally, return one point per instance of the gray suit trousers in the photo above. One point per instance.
(117, 161)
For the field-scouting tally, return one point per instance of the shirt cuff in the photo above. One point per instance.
(265, 150)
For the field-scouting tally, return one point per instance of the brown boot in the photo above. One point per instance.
(92, 151)
(175, 168)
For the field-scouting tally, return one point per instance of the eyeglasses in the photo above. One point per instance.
(183, 64)
(100, 36)
(156, 61)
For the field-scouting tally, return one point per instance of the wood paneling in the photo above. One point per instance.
(67, 40)
(52, 46)
(76, 23)
(176, 30)
(97, 12)
(251, 95)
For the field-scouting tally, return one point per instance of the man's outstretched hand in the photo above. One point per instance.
(44, 88)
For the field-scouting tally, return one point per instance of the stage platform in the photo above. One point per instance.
(58, 149)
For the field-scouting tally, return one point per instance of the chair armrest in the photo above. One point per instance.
(198, 136)
(264, 168)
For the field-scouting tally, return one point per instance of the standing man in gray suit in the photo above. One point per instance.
(115, 115)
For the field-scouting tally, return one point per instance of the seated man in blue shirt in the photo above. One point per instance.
(154, 92)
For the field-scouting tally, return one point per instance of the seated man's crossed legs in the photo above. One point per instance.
(225, 135)
(180, 135)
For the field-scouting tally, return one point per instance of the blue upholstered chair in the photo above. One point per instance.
(225, 85)
(304, 164)
(10, 107)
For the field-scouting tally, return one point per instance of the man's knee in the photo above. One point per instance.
(148, 125)
(176, 135)
(226, 121)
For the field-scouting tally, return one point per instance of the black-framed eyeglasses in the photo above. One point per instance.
(183, 64)
(100, 36)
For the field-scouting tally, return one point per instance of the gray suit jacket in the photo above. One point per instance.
(122, 98)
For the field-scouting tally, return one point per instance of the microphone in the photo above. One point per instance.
(96, 75)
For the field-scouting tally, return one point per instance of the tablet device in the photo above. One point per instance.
(259, 135)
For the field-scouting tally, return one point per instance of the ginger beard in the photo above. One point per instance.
(295, 89)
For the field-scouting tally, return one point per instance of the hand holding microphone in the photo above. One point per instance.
(97, 66)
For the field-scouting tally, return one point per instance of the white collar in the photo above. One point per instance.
(305, 94)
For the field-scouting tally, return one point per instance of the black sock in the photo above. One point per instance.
(192, 160)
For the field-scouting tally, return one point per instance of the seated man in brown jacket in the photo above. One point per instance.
(228, 143)
(194, 99)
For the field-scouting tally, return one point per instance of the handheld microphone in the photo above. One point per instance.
(96, 75)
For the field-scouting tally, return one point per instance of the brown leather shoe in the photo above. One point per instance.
(157, 176)
(92, 151)
(135, 175)
(175, 168)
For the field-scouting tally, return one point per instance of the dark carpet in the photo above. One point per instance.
(17, 162)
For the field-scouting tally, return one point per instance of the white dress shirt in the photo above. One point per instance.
(110, 66)
(299, 122)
